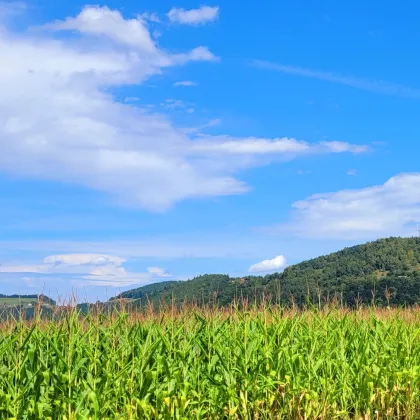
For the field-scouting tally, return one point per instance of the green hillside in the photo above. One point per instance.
(149, 290)
(24, 306)
(22, 300)
(386, 270)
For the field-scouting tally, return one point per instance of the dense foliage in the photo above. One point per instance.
(149, 290)
(380, 272)
(202, 365)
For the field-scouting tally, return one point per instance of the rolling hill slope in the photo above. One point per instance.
(387, 269)
(21, 300)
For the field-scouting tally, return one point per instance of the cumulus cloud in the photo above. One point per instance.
(392, 208)
(89, 270)
(198, 16)
(95, 20)
(275, 264)
(60, 122)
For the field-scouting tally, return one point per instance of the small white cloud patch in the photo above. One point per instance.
(157, 271)
(185, 83)
(198, 16)
(276, 264)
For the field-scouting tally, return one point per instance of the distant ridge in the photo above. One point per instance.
(380, 272)
(26, 298)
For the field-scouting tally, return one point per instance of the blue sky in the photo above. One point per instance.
(147, 142)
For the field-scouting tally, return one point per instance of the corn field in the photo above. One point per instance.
(214, 364)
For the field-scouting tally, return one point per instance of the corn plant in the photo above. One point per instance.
(192, 364)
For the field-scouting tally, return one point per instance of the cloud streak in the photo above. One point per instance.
(371, 85)
(89, 270)
(260, 146)
(185, 83)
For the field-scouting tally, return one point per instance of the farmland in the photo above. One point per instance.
(16, 301)
(197, 363)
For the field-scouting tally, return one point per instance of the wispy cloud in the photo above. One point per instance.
(150, 16)
(185, 83)
(371, 85)
(10, 9)
(285, 146)
(89, 269)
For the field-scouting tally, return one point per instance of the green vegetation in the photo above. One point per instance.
(13, 300)
(255, 364)
(219, 347)
(16, 301)
(25, 306)
(380, 273)
(149, 290)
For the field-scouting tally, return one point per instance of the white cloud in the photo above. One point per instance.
(185, 83)
(83, 259)
(24, 268)
(89, 270)
(256, 146)
(352, 172)
(376, 86)
(150, 16)
(212, 123)
(157, 271)
(112, 276)
(131, 99)
(197, 54)
(173, 104)
(276, 264)
(177, 104)
(95, 20)
(342, 147)
(198, 16)
(198, 129)
(59, 122)
(368, 213)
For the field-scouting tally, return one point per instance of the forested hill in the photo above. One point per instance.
(387, 269)
(149, 290)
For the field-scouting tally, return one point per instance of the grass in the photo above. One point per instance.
(213, 364)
